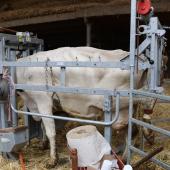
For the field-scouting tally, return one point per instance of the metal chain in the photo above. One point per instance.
(46, 72)
(52, 79)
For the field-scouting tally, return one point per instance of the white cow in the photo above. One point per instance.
(74, 104)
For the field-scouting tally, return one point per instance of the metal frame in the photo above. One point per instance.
(9, 45)
(155, 41)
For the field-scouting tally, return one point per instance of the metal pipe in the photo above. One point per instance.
(62, 76)
(75, 90)
(108, 115)
(93, 64)
(3, 120)
(153, 95)
(114, 119)
(1, 54)
(132, 71)
(158, 162)
(12, 57)
(149, 126)
(166, 27)
(147, 157)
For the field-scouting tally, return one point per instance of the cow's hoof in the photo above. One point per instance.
(51, 163)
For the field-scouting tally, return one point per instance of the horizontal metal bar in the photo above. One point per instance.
(114, 119)
(149, 126)
(156, 161)
(98, 64)
(68, 64)
(148, 94)
(160, 120)
(90, 91)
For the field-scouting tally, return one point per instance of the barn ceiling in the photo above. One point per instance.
(24, 12)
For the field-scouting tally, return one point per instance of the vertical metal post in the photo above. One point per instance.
(132, 71)
(3, 118)
(12, 57)
(63, 76)
(1, 53)
(88, 32)
(160, 50)
(108, 117)
(26, 117)
(26, 123)
(154, 53)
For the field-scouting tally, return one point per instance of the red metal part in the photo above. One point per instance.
(143, 7)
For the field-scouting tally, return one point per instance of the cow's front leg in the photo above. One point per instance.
(49, 124)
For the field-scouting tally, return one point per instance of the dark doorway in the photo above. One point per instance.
(107, 32)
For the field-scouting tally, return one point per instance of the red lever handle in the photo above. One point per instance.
(143, 7)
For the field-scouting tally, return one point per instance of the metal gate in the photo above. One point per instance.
(152, 46)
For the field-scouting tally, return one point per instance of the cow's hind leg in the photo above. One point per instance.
(51, 134)
(49, 124)
(45, 142)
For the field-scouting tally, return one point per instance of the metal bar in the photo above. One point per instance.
(97, 64)
(3, 120)
(1, 54)
(90, 91)
(121, 65)
(153, 95)
(132, 71)
(63, 76)
(12, 57)
(147, 157)
(114, 119)
(153, 54)
(26, 123)
(107, 117)
(142, 47)
(160, 120)
(149, 126)
(156, 161)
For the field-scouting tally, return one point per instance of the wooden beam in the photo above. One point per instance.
(90, 12)
(98, 10)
